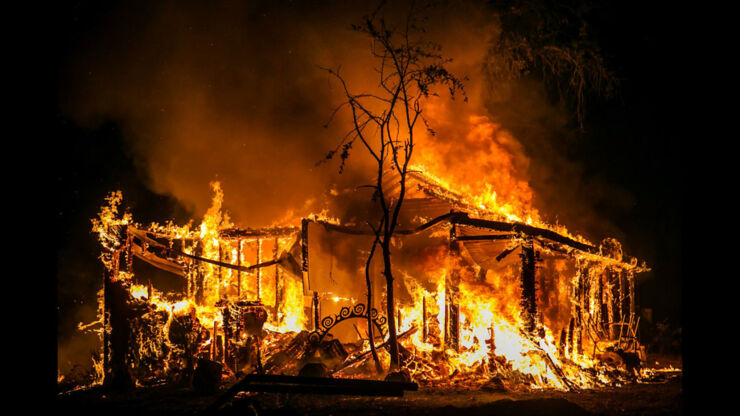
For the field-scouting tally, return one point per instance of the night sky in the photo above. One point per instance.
(626, 146)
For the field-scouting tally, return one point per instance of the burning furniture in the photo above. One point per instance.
(561, 314)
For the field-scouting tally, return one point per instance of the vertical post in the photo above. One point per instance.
(527, 283)
(452, 294)
(277, 282)
(562, 342)
(106, 323)
(603, 313)
(424, 318)
(259, 270)
(304, 255)
(315, 311)
(220, 259)
(606, 304)
(116, 373)
(611, 299)
(579, 305)
(631, 281)
(239, 272)
(569, 343)
(214, 340)
(198, 275)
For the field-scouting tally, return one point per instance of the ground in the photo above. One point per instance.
(636, 399)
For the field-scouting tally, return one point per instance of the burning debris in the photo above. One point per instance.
(283, 300)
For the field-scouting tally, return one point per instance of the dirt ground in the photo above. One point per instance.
(659, 398)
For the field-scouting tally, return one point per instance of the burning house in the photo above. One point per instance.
(280, 281)
(481, 297)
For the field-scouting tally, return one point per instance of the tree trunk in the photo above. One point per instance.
(390, 306)
(378, 366)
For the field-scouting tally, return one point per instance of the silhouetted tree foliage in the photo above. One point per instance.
(551, 40)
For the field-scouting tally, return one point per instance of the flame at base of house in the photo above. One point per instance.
(292, 300)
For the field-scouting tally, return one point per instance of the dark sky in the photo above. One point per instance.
(626, 149)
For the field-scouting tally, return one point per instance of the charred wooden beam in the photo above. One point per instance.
(259, 270)
(220, 270)
(304, 256)
(278, 294)
(569, 340)
(452, 283)
(631, 278)
(199, 276)
(312, 385)
(239, 272)
(316, 312)
(424, 325)
(463, 219)
(527, 283)
(561, 344)
(249, 233)
(493, 237)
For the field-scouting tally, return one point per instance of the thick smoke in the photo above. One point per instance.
(236, 93)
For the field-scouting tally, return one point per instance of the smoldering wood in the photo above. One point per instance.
(366, 354)
(313, 385)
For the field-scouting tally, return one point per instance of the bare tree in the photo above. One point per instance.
(385, 122)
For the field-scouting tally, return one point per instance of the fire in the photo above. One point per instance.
(466, 324)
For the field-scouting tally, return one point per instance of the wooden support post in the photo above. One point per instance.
(577, 309)
(116, 375)
(631, 282)
(239, 272)
(612, 301)
(569, 341)
(527, 283)
(214, 340)
(220, 269)
(491, 347)
(278, 295)
(198, 275)
(603, 312)
(316, 311)
(561, 343)
(424, 327)
(452, 294)
(304, 256)
(259, 270)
